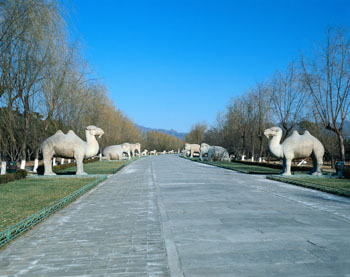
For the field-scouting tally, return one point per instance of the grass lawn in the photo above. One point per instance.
(99, 167)
(246, 168)
(22, 198)
(331, 185)
(243, 168)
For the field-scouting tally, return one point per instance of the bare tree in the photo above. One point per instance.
(327, 77)
(262, 108)
(288, 97)
(196, 134)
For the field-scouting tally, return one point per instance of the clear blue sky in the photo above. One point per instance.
(170, 64)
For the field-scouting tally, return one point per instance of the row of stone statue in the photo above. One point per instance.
(206, 152)
(71, 146)
(296, 146)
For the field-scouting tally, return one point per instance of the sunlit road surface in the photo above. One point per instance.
(167, 216)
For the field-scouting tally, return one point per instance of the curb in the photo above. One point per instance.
(14, 231)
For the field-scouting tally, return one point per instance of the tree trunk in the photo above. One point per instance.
(341, 146)
(253, 147)
(260, 146)
(243, 145)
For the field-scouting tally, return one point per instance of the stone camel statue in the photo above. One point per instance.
(71, 146)
(295, 146)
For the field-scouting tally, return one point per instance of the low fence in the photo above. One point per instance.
(276, 166)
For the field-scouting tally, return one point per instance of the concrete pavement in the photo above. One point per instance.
(164, 215)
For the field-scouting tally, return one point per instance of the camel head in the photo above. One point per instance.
(273, 131)
(94, 131)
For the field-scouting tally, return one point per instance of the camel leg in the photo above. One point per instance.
(283, 166)
(48, 164)
(288, 164)
(79, 159)
(317, 165)
(80, 168)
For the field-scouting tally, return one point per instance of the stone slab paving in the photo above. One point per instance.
(113, 230)
(164, 215)
(224, 223)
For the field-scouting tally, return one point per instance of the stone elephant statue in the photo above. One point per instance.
(115, 152)
(192, 148)
(217, 153)
(204, 150)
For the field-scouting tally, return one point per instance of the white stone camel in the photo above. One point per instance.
(203, 151)
(71, 146)
(295, 146)
(193, 148)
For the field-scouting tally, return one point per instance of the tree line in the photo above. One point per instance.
(45, 83)
(311, 93)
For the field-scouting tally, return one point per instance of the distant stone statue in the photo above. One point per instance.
(295, 146)
(203, 150)
(71, 146)
(135, 147)
(192, 148)
(217, 153)
(115, 152)
(128, 147)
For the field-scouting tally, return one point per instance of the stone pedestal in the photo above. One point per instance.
(36, 164)
(23, 164)
(3, 168)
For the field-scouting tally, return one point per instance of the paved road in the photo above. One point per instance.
(166, 215)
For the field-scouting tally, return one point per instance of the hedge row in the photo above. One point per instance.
(9, 177)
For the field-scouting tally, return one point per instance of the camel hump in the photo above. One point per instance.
(295, 133)
(307, 133)
(59, 132)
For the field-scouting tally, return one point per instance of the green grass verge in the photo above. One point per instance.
(331, 185)
(240, 167)
(244, 168)
(99, 167)
(22, 198)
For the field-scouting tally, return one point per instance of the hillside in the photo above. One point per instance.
(169, 132)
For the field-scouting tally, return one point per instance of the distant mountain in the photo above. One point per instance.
(169, 132)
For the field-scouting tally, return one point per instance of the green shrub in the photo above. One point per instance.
(9, 177)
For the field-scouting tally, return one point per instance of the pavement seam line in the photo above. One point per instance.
(174, 262)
